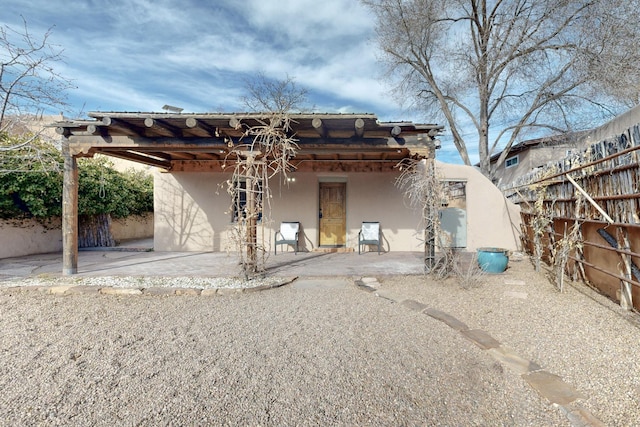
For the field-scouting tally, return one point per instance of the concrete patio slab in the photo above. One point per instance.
(213, 264)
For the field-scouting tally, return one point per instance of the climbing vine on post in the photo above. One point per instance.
(263, 153)
(423, 188)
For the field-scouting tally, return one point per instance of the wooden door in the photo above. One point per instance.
(333, 218)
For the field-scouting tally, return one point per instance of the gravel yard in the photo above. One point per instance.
(334, 356)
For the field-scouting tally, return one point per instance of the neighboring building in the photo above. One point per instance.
(527, 156)
(32, 125)
(532, 154)
(344, 173)
(613, 128)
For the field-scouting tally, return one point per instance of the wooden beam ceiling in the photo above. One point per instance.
(188, 141)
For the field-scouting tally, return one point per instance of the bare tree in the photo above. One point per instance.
(29, 84)
(276, 96)
(517, 65)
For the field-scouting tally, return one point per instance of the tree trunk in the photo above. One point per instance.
(95, 231)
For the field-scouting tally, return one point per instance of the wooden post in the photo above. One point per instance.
(69, 213)
(590, 200)
(430, 211)
(252, 222)
(626, 298)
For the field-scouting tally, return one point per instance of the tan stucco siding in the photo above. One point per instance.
(28, 236)
(492, 221)
(191, 210)
(296, 201)
(133, 227)
(376, 198)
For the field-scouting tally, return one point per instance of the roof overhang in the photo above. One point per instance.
(208, 142)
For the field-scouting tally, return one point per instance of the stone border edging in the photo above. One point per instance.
(153, 290)
(559, 393)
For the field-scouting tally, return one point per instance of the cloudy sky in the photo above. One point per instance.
(138, 55)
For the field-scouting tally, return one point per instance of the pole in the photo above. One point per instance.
(69, 213)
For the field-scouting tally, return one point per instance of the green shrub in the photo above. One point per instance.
(34, 188)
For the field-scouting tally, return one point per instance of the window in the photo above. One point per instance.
(455, 193)
(240, 199)
(511, 161)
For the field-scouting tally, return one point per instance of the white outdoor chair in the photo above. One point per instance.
(369, 235)
(288, 235)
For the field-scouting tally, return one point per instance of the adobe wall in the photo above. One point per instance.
(192, 210)
(132, 227)
(28, 237)
(492, 221)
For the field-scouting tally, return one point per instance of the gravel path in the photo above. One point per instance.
(291, 356)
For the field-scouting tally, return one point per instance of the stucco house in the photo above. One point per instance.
(343, 174)
(531, 154)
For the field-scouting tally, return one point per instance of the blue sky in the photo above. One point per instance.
(138, 55)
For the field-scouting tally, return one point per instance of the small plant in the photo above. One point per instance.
(459, 265)
(570, 243)
(469, 273)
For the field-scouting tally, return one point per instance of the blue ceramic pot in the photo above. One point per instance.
(493, 260)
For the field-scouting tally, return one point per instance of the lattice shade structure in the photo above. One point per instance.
(204, 142)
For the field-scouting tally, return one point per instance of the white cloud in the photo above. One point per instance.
(140, 54)
(309, 21)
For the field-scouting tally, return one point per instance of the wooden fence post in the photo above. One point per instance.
(626, 299)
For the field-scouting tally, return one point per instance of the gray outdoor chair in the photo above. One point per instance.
(369, 235)
(288, 234)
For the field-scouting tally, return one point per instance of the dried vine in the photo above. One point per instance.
(423, 189)
(263, 152)
(571, 242)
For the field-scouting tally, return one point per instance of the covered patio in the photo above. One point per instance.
(328, 144)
